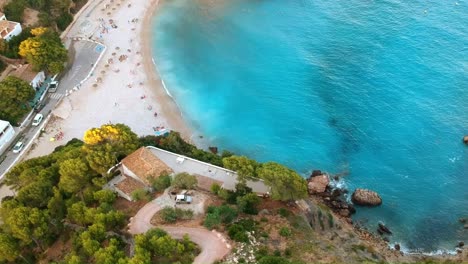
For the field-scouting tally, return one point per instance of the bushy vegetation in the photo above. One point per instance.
(215, 188)
(161, 183)
(44, 50)
(62, 193)
(248, 203)
(173, 142)
(238, 231)
(140, 195)
(184, 181)
(172, 215)
(15, 95)
(56, 11)
(285, 232)
(217, 215)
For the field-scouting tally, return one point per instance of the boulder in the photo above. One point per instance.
(465, 139)
(462, 220)
(366, 197)
(461, 244)
(213, 150)
(397, 247)
(264, 212)
(383, 229)
(318, 184)
(316, 173)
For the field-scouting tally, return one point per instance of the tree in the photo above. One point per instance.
(245, 167)
(74, 175)
(44, 51)
(37, 193)
(15, 94)
(156, 246)
(107, 144)
(184, 181)
(161, 182)
(105, 196)
(111, 254)
(77, 213)
(285, 183)
(248, 203)
(9, 247)
(140, 195)
(14, 10)
(28, 225)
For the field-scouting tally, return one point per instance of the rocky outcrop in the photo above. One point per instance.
(366, 197)
(316, 173)
(318, 184)
(213, 150)
(382, 229)
(465, 139)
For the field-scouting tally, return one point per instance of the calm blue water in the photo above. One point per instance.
(376, 90)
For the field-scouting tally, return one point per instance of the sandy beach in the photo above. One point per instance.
(124, 86)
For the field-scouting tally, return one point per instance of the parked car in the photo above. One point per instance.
(183, 198)
(53, 86)
(39, 107)
(37, 119)
(18, 147)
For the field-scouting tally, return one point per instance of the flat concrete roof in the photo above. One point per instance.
(179, 163)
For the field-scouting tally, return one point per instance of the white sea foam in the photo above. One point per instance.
(408, 251)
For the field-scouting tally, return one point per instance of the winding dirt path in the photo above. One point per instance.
(212, 246)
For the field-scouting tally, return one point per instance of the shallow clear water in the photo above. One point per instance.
(375, 90)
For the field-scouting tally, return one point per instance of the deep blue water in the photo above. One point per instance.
(376, 90)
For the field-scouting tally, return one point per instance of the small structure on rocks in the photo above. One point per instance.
(366, 197)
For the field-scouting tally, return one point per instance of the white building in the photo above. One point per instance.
(6, 133)
(26, 73)
(8, 29)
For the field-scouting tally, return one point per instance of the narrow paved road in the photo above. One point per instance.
(212, 247)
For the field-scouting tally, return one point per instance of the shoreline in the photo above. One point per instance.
(169, 107)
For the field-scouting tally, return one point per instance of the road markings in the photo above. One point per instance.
(56, 96)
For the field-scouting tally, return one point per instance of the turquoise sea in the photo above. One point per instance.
(376, 91)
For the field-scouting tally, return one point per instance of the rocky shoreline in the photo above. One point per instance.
(322, 189)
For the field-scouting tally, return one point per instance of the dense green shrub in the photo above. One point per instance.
(215, 188)
(248, 203)
(212, 220)
(14, 10)
(140, 195)
(2, 66)
(238, 231)
(284, 212)
(172, 215)
(285, 232)
(168, 215)
(161, 183)
(217, 215)
(273, 260)
(63, 21)
(184, 181)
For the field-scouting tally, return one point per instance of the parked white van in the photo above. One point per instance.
(37, 120)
